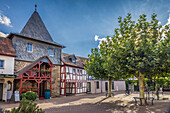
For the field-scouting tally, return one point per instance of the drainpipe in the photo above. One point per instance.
(95, 86)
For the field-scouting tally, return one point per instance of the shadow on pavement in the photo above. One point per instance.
(111, 107)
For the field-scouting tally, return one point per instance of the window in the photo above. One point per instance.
(80, 72)
(73, 59)
(51, 52)
(80, 85)
(9, 86)
(97, 84)
(77, 85)
(74, 71)
(1, 63)
(29, 47)
(112, 85)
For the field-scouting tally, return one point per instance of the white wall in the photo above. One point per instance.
(8, 65)
(101, 88)
(119, 85)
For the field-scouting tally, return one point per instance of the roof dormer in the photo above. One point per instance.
(73, 58)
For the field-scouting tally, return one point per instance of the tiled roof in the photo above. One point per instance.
(36, 39)
(80, 61)
(6, 47)
(36, 28)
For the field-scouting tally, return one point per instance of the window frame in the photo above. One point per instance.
(2, 64)
(112, 85)
(81, 85)
(97, 85)
(73, 59)
(74, 71)
(78, 85)
(52, 52)
(28, 47)
(80, 72)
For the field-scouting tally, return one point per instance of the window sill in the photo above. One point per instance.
(30, 51)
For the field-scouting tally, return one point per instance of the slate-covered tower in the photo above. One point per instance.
(33, 42)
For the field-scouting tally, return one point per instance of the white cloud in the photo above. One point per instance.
(163, 27)
(3, 34)
(5, 20)
(159, 23)
(7, 6)
(96, 37)
(100, 40)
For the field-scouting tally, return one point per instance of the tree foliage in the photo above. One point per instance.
(138, 49)
(26, 106)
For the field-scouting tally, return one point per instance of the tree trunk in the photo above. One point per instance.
(141, 87)
(110, 84)
(156, 90)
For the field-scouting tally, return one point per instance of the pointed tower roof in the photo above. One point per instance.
(35, 28)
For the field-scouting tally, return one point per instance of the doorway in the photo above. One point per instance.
(42, 90)
(1, 91)
(88, 87)
(106, 86)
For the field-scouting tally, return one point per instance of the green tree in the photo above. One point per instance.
(103, 63)
(139, 45)
(136, 49)
(96, 67)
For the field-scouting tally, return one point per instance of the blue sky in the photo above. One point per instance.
(74, 23)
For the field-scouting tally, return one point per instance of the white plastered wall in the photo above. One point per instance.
(8, 65)
(118, 86)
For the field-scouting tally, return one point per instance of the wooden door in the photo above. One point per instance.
(42, 89)
(1, 91)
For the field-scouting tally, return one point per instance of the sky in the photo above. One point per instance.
(79, 25)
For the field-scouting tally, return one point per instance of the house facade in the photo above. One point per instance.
(73, 75)
(31, 44)
(101, 85)
(7, 55)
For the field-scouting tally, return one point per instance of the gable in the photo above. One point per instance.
(45, 60)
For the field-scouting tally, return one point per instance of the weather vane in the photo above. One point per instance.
(35, 7)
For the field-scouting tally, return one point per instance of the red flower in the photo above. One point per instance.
(29, 87)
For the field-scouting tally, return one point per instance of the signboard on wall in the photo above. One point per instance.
(17, 96)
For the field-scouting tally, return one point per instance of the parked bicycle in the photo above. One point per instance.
(128, 92)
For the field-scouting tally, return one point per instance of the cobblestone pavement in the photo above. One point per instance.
(97, 103)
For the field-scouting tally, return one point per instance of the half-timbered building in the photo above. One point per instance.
(38, 57)
(73, 75)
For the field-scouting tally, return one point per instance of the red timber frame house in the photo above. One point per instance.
(38, 75)
(73, 79)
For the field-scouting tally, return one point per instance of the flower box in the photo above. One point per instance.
(34, 90)
(35, 69)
